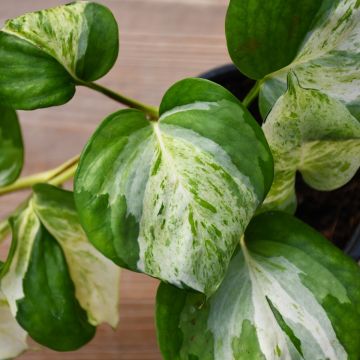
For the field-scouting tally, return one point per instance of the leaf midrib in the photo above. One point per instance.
(174, 173)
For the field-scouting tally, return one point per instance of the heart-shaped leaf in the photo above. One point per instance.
(264, 36)
(95, 277)
(11, 146)
(288, 294)
(171, 198)
(12, 336)
(39, 289)
(315, 134)
(44, 54)
(327, 61)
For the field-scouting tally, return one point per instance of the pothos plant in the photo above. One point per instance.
(194, 193)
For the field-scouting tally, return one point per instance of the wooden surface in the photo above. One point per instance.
(161, 41)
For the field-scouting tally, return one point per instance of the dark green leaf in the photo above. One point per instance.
(264, 36)
(95, 277)
(49, 311)
(102, 43)
(11, 146)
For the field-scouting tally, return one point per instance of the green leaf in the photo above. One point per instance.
(12, 336)
(270, 91)
(328, 60)
(4, 230)
(264, 36)
(11, 146)
(171, 198)
(96, 278)
(288, 294)
(44, 54)
(39, 289)
(315, 134)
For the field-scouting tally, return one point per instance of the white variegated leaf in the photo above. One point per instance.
(62, 32)
(312, 133)
(286, 296)
(185, 156)
(57, 31)
(96, 278)
(45, 54)
(37, 285)
(26, 227)
(329, 59)
(170, 198)
(12, 336)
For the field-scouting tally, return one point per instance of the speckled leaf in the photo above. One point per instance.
(44, 54)
(171, 198)
(12, 336)
(95, 277)
(329, 59)
(264, 36)
(11, 146)
(47, 310)
(315, 134)
(288, 294)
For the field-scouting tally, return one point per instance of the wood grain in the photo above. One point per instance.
(161, 41)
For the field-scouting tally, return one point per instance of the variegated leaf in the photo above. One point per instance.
(25, 227)
(329, 59)
(315, 134)
(95, 277)
(12, 336)
(170, 198)
(44, 54)
(288, 294)
(47, 310)
(11, 146)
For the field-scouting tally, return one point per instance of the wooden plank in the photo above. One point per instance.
(162, 41)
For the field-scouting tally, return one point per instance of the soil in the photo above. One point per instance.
(336, 214)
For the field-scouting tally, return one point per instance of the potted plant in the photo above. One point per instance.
(194, 193)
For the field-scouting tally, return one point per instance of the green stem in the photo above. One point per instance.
(253, 93)
(64, 176)
(67, 170)
(151, 111)
(62, 172)
(60, 178)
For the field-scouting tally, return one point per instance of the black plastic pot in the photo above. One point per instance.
(324, 211)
